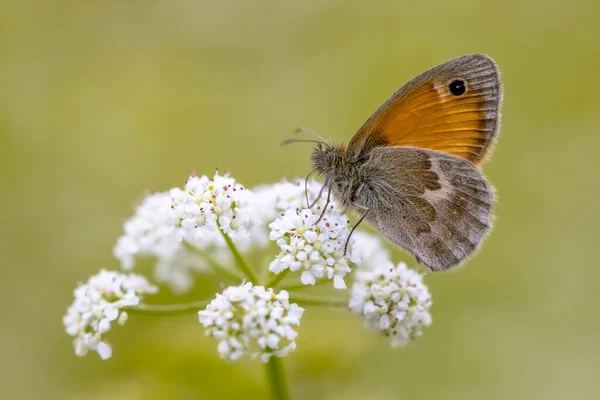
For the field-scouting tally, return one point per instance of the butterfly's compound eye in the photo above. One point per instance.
(457, 87)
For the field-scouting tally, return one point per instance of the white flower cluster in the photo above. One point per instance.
(188, 230)
(211, 203)
(393, 300)
(193, 214)
(316, 249)
(98, 303)
(249, 320)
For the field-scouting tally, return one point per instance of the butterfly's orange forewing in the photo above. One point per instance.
(453, 108)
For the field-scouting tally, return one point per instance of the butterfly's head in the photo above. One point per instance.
(327, 157)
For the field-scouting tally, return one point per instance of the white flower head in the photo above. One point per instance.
(249, 320)
(167, 225)
(209, 204)
(316, 249)
(97, 304)
(393, 300)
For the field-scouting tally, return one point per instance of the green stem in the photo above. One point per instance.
(239, 259)
(168, 309)
(276, 378)
(278, 278)
(332, 303)
(218, 268)
(303, 286)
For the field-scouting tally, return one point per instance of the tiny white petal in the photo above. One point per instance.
(338, 282)
(123, 318)
(103, 325)
(384, 322)
(307, 278)
(111, 313)
(223, 347)
(104, 350)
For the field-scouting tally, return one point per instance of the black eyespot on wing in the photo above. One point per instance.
(457, 87)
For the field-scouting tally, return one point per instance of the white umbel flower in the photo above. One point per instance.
(249, 320)
(315, 249)
(393, 300)
(99, 302)
(194, 214)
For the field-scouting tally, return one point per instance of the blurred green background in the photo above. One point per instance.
(104, 101)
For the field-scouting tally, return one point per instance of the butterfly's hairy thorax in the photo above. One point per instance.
(357, 182)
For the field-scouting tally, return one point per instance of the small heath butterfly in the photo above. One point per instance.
(413, 169)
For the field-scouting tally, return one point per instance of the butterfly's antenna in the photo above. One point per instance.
(288, 141)
(304, 129)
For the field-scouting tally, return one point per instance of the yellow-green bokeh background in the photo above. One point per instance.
(102, 101)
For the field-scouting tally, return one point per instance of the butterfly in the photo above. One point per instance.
(413, 169)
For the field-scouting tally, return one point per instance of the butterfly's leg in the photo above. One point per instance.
(366, 211)
(318, 197)
(311, 205)
(325, 208)
(306, 189)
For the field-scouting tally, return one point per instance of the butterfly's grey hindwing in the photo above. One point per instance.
(443, 206)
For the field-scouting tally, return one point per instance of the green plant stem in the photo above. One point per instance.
(214, 264)
(300, 286)
(276, 379)
(339, 304)
(168, 309)
(278, 278)
(239, 259)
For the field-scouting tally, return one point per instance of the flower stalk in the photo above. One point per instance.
(166, 310)
(278, 278)
(240, 261)
(277, 380)
(339, 304)
(214, 264)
